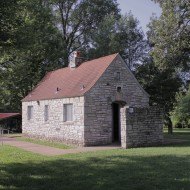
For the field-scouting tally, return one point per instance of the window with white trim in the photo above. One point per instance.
(30, 111)
(67, 112)
(46, 113)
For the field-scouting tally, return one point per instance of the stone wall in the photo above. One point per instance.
(92, 123)
(55, 128)
(143, 127)
(98, 101)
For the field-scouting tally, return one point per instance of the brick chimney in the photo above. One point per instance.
(76, 59)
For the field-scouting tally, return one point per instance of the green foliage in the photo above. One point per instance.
(121, 35)
(77, 19)
(161, 85)
(9, 21)
(181, 112)
(24, 62)
(38, 36)
(170, 35)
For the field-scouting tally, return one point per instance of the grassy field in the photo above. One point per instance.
(162, 168)
(44, 142)
(183, 134)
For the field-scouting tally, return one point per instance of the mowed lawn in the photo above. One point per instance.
(166, 168)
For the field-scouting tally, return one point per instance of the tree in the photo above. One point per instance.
(76, 19)
(161, 85)
(34, 51)
(121, 35)
(170, 35)
(181, 113)
(9, 21)
(43, 34)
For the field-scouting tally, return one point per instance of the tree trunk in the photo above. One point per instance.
(170, 126)
(66, 59)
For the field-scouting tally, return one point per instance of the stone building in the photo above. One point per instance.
(96, 102)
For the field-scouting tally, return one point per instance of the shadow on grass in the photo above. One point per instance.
(105, 172)
(177, 139)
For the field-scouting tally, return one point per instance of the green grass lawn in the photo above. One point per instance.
(43, 142)
(161, 168)
(183, 134)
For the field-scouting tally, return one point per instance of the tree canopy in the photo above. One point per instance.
(76, 19)
(170, 35)
(39, 36)
(122, 35)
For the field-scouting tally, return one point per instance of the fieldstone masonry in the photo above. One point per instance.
(93, 121)
(55, 128)
(143, 127)
(98, 102)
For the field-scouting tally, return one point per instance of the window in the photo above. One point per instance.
(68, 112)
(30, 112)
(46, 113)
(118, 76)
(119, 89)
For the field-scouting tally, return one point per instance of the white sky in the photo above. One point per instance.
(141, 9)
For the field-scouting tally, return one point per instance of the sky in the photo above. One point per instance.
(141, 9)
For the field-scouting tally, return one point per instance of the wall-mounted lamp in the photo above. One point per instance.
(131, 110)
(38, 102)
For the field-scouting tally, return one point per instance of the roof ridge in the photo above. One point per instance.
(102, 57)
(86, 62)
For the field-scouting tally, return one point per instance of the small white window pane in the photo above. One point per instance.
(64, 113)
(68, 112)
(30, 112)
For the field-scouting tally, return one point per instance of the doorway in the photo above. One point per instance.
(116, 129)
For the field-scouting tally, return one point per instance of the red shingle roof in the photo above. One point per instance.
(70, 81)
(8, 115)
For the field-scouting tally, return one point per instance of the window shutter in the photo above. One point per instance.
(71, 112)
(64, 113)
(46, 113)
(31, 112)
(28, 113)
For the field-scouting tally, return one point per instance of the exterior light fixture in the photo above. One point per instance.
(131, 110)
